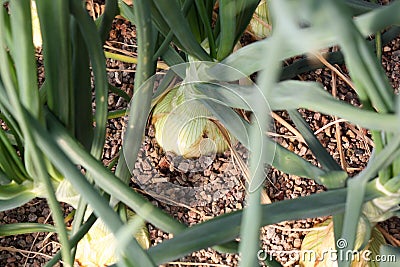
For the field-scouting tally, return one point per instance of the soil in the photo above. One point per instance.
(349, 145)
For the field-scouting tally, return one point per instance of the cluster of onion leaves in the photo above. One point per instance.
(50, 132)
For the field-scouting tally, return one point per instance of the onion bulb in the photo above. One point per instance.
(183, 125)
(98, 246)
(318, 247)
(260, 24)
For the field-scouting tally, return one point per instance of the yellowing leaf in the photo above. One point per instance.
(318, 247)
(315, 244)
(37, 35)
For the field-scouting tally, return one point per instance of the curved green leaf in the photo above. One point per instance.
(140, 104)
(11, 190)
(25, 228)
(54, 20)
(110, 11)
(311, 96)
(227, 20)
(392, 254)
(23, 55)
(247, 59)
(180, 27)
(16, 201)
(97, 59)
(91, 195)
(198, 237)
(327, 161)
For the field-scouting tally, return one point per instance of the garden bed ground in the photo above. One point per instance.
(350, 145)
